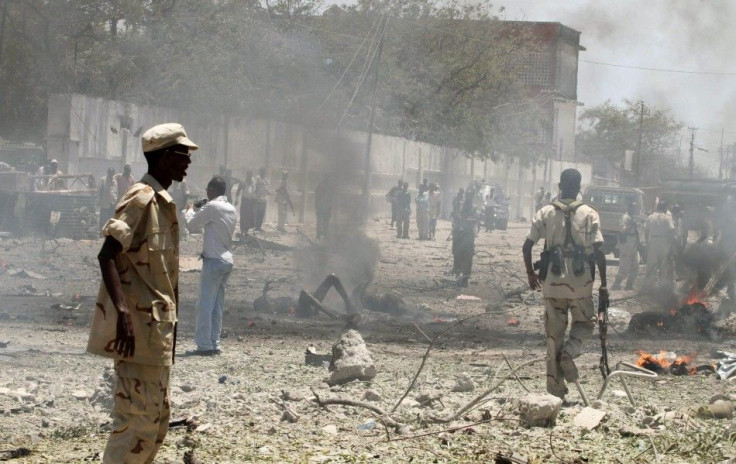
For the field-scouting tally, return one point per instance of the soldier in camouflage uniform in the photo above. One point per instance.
(134, 321)
(572, 235)
(628, 248)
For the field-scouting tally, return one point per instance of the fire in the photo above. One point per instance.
(513, 322)
(647, 360)
(696, 296)
(662, 362)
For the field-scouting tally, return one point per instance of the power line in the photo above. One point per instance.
(349, 64)
(675, 71)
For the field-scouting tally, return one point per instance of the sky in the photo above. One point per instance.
(686, 35)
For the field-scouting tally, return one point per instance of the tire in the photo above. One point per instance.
(502, 224)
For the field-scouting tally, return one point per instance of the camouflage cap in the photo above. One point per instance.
(166, 135)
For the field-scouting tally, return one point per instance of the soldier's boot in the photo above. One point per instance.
(569, 369)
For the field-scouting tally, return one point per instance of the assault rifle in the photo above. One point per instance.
(603, 333)
(282, 189)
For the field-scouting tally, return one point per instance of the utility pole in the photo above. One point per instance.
(2, 27)
(720, 164)
(692, 151)
(638, 146)
(371, 118)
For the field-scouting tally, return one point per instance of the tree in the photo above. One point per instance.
(448, 72)
(606, 131)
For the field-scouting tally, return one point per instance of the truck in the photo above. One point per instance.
(28, 206)
(611, 203)
(699, 199)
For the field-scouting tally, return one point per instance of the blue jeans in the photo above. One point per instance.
(215, 273)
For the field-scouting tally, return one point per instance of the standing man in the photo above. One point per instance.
(263, 190)
(573, 239)
(422, 202)
(134, 321)
(125, 180)
(108, 196)
(324, 197)
(247, 194)
(218, 218)
(283, 200)
(55, 182)
(539, 199)
(628, 249)
(435, 206)
(464, 227)
(660, 231)
(391, 198)
(403, 206)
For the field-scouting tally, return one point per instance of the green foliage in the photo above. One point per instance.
(447, 72)
(607, 130)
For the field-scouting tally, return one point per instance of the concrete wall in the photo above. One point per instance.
(88, 135)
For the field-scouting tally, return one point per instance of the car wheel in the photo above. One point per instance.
(502, 224)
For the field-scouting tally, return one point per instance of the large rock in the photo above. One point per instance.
(463, 383)
(351, 360)
(539, 410)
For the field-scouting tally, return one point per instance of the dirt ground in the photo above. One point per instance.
(55, 399)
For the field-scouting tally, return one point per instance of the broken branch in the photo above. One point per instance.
(358, 404)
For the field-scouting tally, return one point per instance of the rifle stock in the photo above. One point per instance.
(603, 334)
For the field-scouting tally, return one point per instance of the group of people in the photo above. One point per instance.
(48, 177)
(111, 189)
(662, 239)
(428, 207)
(135, 318)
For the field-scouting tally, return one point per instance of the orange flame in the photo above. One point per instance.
(696, 296)
(679, 366)
(513, 322)
(646, 359)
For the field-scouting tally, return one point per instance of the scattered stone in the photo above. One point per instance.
(188, 388)
(330, 429)
(627, 430)
(463, 383)
(81, 394)
(467, 298)
(190, 458)
(222, 379)
(372, 395)
(203, 427)
(589, 418)
(370, 425)
(290, 416)
(290, 395)
(718, 409)
(427, 399)
(264, 450)
(539, 410)
(351, 360)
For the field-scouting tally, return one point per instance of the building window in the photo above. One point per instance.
(537, 69)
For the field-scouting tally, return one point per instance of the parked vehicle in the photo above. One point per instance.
(494, 207)
(611, 203)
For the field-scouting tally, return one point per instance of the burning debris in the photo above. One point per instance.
(692, 316)
(667, 362)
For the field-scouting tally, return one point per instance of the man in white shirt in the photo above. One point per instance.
(218, 219)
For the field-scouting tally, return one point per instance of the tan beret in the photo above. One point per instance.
(166, 135)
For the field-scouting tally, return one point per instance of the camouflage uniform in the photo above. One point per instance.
(660, 237)
(145, 225)
(628, 247)
(566, 291)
